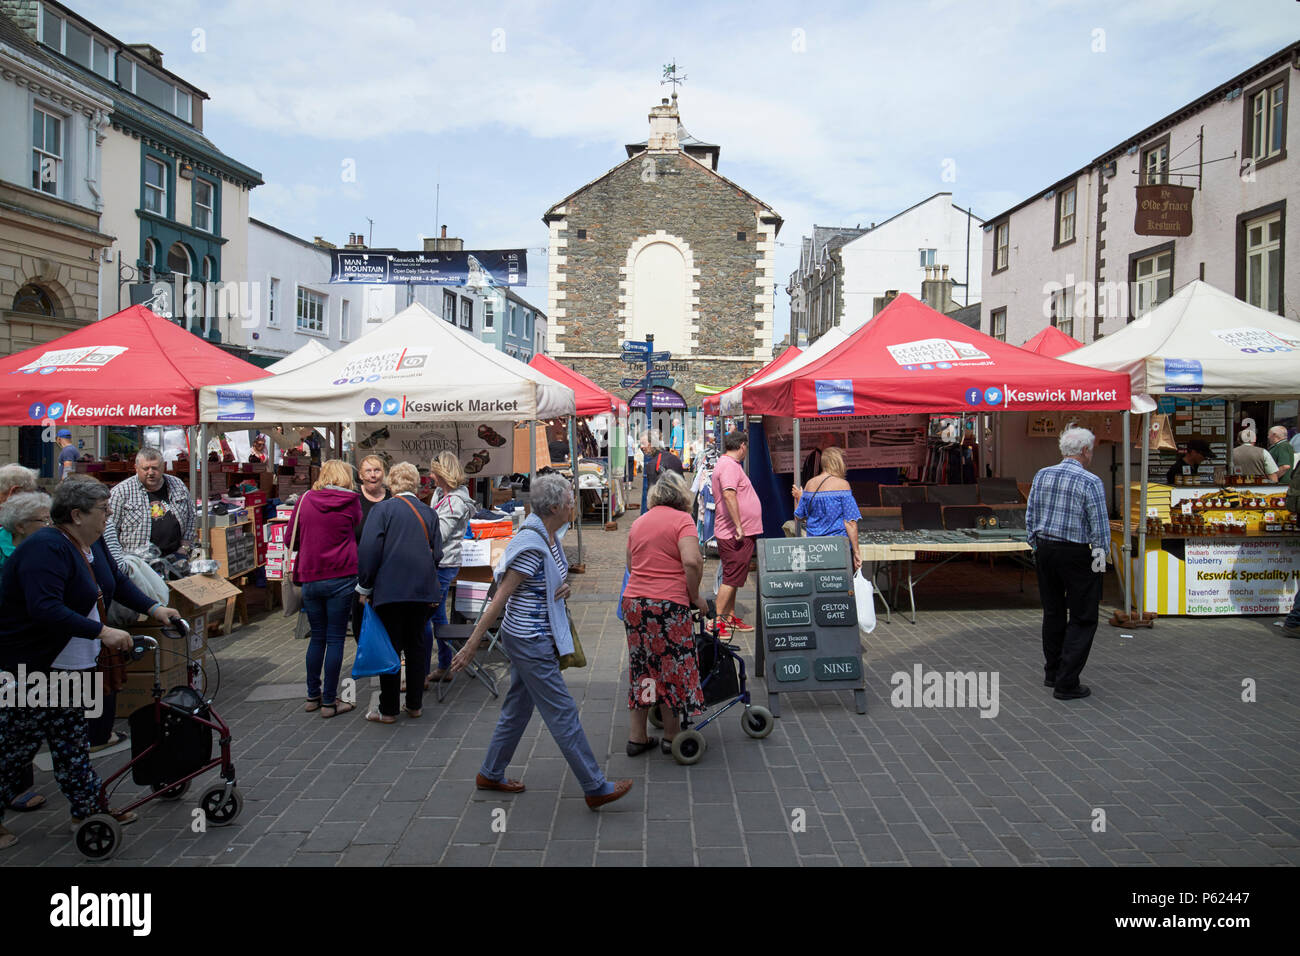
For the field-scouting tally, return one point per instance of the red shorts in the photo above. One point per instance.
(736, 556)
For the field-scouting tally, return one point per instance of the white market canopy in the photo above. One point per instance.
(309, 353)
(415, 367)
(732, 402)
(1202, 341)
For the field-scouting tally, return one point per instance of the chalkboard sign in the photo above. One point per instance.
(808, 637)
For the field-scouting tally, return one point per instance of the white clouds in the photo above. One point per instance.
(853, 128)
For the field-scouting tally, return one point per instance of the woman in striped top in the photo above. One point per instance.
(531, 589)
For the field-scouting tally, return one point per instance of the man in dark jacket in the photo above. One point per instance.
(1197, 453)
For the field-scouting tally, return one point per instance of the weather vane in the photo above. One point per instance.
(672, 76)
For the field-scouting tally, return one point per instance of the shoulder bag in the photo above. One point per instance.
(577, 658)
(291, 593)
(111, 663)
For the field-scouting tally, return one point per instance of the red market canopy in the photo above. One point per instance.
(1052, 342)
(912, 359)
(591, 398)
(713, 403)
(131, 368)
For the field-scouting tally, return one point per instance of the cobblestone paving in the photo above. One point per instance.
(1185, 770)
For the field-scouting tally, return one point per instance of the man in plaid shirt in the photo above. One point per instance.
(151, 507)
(1068, 530)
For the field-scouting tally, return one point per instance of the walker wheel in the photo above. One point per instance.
(757, 721)
(656, 718)
(221, 814)
(688, 747)
(170, 793)
(99, 837)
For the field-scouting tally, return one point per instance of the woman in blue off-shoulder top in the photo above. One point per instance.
(827, 503)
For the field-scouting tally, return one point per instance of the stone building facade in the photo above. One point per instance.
(51, 237)
(663, 244)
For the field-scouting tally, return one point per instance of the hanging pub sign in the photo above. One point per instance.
(480, 268)
(1163, 210)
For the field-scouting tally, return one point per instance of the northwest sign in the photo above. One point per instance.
(1163, 210)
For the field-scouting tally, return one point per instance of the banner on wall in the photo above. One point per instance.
(482, 449)
(482, 267)
(868, 441)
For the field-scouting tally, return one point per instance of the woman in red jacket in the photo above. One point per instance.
(326, 568)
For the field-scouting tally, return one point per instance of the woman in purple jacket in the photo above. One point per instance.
(326, 568)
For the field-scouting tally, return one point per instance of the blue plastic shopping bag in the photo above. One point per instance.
(375, 652)
(619, 610)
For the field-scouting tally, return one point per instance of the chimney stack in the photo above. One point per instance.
(356, 240)
(664, 120)
(442, 243)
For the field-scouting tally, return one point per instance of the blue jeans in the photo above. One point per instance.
(328, 605)
(535, 680)
(445, 577)
(1293, 619)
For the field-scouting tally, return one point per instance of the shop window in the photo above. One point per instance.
(155, 186)
(1155, 163)
(1151, 278)
(33, 300)
(47, 150)
(203, 217)
(1001, 246)
(998, 324)
(1065, 200)
(1264, 132)
(311, 311)
(1264, 262)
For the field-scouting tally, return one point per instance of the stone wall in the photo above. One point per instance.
(671, 192)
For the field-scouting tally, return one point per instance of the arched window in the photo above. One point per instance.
(150, 260)
(33, 300)
(659, 297)
(178, 260)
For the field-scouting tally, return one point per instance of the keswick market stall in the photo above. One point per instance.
(591, 401)
(130, 368)
(412, 387)
(1211, 545)
(1051, 342)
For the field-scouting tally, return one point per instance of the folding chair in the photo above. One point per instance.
(458, 634)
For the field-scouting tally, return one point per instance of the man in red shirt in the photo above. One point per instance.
(738, 523)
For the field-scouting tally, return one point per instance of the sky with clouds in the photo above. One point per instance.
(832, 113)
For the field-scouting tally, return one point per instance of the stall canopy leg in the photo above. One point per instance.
(192, 436)
(532, 459)
(578, 567)
(797, 457)
(1126, 482)
(1142, 519)
(202, 452)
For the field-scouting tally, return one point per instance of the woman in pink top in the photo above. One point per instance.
(664, 571)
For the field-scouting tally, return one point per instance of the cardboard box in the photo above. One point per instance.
(483, 573)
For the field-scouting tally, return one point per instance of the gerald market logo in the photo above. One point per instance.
(371, 367)
(88, 358)
(931, 354)
(1252, 341)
